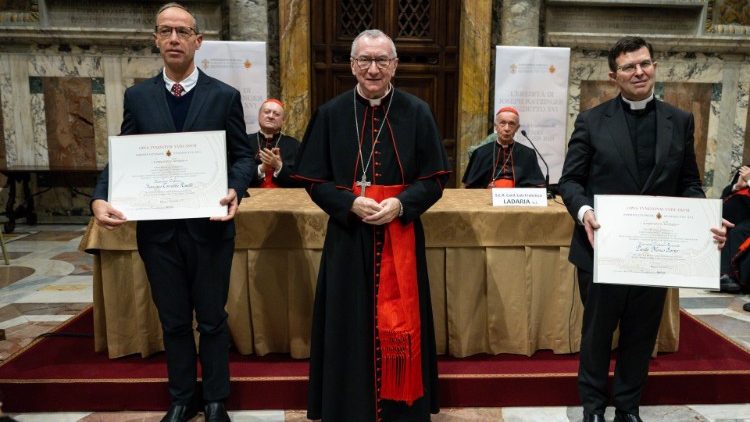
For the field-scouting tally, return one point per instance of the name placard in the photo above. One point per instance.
(519, 197)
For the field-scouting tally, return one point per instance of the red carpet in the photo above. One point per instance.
(65, 374)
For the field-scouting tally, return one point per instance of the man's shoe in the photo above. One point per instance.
(728, 285)
(215, 412)
(626, 417)
(746, 307)
(593, 417)
(179, 413)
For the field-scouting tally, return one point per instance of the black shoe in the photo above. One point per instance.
(728, 285)
(626, 417)
(593, 417)
(215, 412)
(180, 413)
(746, 307)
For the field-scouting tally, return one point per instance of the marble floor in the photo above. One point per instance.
(50, 281)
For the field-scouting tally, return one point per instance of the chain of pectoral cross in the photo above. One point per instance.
(363, 183)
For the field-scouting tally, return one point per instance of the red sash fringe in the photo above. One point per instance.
(398, 323)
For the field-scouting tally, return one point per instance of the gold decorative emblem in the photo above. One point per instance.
(248, 64)
(658, 216)
(513, 68)
(552, 68)
(169, 153)
(205, 62)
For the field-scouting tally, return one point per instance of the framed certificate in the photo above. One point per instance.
(656, 241)
(168, 176)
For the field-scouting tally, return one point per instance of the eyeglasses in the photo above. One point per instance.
(365, 62)
(630, 67)
(183, 32)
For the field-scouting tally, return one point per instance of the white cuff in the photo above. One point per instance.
(278, 170)
(581, 212)
(260, 171)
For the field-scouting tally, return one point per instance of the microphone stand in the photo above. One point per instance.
(546, 175)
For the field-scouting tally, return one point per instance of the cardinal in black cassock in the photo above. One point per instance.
(373, 160)
(504, 163)
(274, 153)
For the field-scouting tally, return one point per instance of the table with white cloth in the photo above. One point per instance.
(500, 280)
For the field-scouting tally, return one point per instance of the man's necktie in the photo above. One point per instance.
(177, 90)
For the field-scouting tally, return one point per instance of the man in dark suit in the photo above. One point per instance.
(187, 261)
(630, 145)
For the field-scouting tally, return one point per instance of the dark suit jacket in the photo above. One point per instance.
(215, 106)
(601, 160)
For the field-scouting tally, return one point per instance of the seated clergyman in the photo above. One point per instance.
(503, 163)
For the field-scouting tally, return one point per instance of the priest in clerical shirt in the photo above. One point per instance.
(504, 163)
(373, 160)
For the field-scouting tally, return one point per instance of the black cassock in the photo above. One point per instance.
(526, 169)
(288, 147)
(735, 260)
(343, 360)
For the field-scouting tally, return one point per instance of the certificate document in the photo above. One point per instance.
(656, 241)
(169, 175)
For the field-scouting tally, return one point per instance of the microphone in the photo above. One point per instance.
(546, 176)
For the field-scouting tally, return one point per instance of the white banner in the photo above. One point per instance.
(241, 64)
(534, 80)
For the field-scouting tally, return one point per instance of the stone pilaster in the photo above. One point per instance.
(248, 20)
(294, 52)
(474, 79)
(520, 22)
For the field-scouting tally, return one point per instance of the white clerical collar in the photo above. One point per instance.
(638, 105)
(187, 84)
(268, 135)
(509, 144)
(374, 101)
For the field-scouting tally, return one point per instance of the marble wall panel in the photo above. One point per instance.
(69, 117)
(65, 65)
(99, 105)
(746, 150)
(739, 127)
(17, 148)
(594, 93)
(141, 67)
(38, 144)
(6, 88)
(2, 135)
(695, 98)
(622, 20)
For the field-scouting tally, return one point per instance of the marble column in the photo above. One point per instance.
(248, 20)
(294, 51)
(473, 79)
(520, 22)
(729, 137)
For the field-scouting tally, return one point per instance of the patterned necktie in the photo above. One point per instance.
(177, 90)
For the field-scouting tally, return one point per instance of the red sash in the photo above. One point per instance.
(502, 183)
(398, 324)
(739, 192)
(267, 181)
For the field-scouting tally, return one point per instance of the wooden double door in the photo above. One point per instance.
(426, 33)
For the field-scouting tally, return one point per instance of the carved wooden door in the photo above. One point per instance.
(426, 33)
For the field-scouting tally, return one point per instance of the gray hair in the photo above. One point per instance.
(373, 34)
(179, 6)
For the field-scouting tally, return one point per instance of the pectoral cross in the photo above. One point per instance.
(363, 184)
